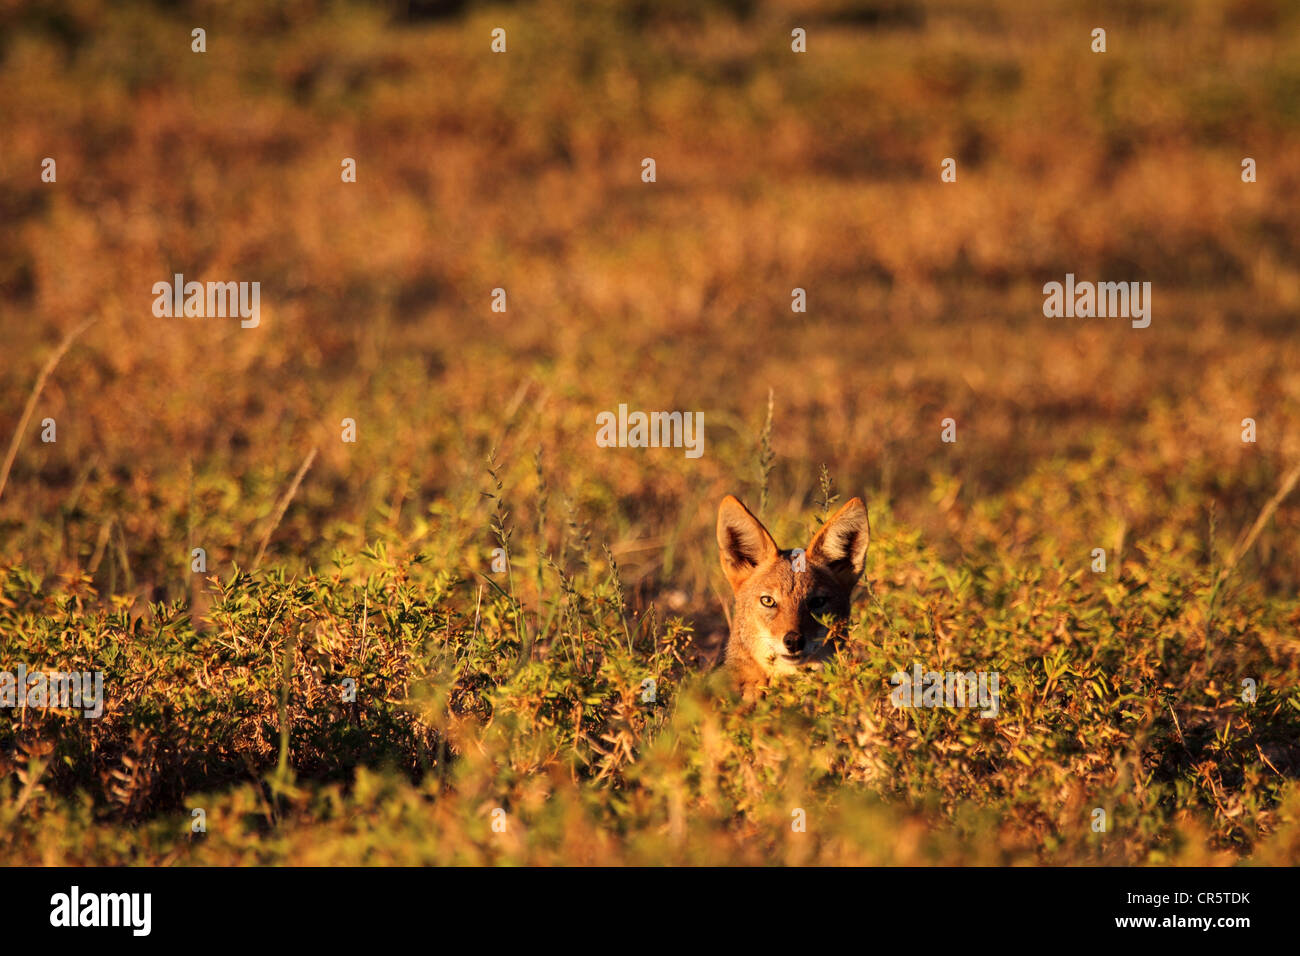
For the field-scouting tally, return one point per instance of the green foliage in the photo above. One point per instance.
(1108, 699)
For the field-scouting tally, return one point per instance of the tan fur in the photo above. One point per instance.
(768, 639)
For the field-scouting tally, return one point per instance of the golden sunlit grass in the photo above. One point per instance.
(371, 561)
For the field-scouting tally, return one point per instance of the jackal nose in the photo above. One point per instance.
(793, 641)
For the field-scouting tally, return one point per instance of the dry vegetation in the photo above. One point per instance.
(1120, 690)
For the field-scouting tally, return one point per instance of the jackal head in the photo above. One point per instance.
(792, 607)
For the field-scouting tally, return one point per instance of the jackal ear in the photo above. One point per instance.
(841, 544)
(743, 542)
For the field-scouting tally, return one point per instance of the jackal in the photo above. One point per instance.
(791, 607)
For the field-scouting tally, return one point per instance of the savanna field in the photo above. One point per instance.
(330, 564)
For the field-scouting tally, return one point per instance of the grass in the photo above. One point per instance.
(368, 566)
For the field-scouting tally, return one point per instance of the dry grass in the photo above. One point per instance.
(775, 171)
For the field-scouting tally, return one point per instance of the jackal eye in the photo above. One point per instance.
(818, 602)
(767, 601)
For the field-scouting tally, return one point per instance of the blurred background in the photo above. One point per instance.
(522, 171)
